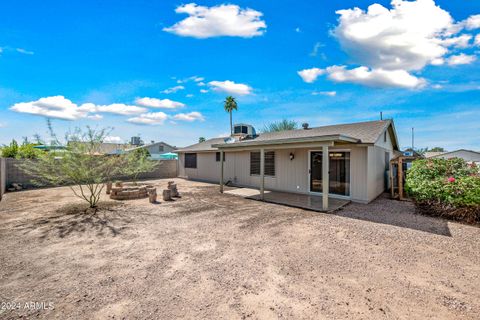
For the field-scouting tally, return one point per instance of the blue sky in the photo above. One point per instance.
(161, 69)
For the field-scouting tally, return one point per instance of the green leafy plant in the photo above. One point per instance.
(11, 150)
(445, 185)
(138, 161)
(283, 125)
(79, 165)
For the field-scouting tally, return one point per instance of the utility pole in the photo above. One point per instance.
(413, 138)
(381, 115)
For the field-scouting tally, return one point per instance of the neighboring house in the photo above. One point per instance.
(467, 155)
(295, 160)
(156, 149)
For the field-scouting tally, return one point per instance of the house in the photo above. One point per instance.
(467, 155)
(356, 156)
(108, 148)
(156, 149)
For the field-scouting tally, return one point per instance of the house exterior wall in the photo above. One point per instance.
(154, 149)
(290, 175)
(378, 162)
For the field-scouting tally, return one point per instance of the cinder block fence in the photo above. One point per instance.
(10, 172)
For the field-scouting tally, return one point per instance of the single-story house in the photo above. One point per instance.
(353, 157)
(467, 155)
(156, 149)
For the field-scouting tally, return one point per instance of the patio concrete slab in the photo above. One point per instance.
(303, 201)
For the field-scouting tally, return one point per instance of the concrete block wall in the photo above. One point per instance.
(3, 176)
(14, 174)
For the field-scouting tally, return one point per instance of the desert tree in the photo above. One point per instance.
(138, 161)
(80, 164)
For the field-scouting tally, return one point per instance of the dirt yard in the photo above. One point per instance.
(208, 255)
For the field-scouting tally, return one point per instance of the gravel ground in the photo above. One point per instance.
(208, 255)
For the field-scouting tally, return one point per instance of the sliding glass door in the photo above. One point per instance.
(339, 173)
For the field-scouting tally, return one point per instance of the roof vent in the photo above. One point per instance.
(305, 126)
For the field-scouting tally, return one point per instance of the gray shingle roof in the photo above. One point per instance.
(364, 132)
(203, 146)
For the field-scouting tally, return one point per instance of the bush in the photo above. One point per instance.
(11, 150)
(446, 187)
(27, 151)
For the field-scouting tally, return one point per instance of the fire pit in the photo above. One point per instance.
(130, 191)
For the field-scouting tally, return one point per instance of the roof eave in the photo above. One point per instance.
(289, 141)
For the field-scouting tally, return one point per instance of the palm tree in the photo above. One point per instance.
(230, 104)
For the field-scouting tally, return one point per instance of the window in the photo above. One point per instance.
(217, 157)
(385, 136)
(244, 129)
(160, 148)
(237, 129)
(191, 160)
(269, 167)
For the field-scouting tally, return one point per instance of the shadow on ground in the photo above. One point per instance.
(108, 219)
(396, 213)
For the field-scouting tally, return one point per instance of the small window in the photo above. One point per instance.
(244, 129)
(385, 136)
(160, 148)
(237, 129)
(269, 167)
(254, 163)
(191, 160)
(217, 157)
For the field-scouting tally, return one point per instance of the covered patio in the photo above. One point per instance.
(321, 201)
(303, 201)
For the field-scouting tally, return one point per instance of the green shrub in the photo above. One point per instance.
(445, 185)
(27, 151)
(11, 150)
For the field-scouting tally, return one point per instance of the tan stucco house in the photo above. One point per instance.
(353, 157)
(467, 155)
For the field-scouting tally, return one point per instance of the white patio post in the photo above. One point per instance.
(221, 171)
(262, 173)
(325, 176)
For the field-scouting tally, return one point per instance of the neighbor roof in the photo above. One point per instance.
(149, 145)
(361, 132)
(450, 152)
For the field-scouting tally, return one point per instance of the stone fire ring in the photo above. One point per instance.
(130, 191)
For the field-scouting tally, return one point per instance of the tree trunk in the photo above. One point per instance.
(231, 124)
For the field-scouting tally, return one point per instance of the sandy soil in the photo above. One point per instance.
(208, 255)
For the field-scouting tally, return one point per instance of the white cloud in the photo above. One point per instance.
(461, 59)
(151, 118)
(310, 75)
(189, 95)
(113, 139)
(222, 20)
(201, 84)
(473, 22)
(158, 103)
(21, 50)
(197, 79)
(298, 30)
(117, 108)
(477, 40)
(191, 116)
(325, 93)
(315, 49)
(61, 108)
(203, 90)
(375, 77)
(231, 87)
(95, 117)
(173, 89)
(53, 107)
(390, 43)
